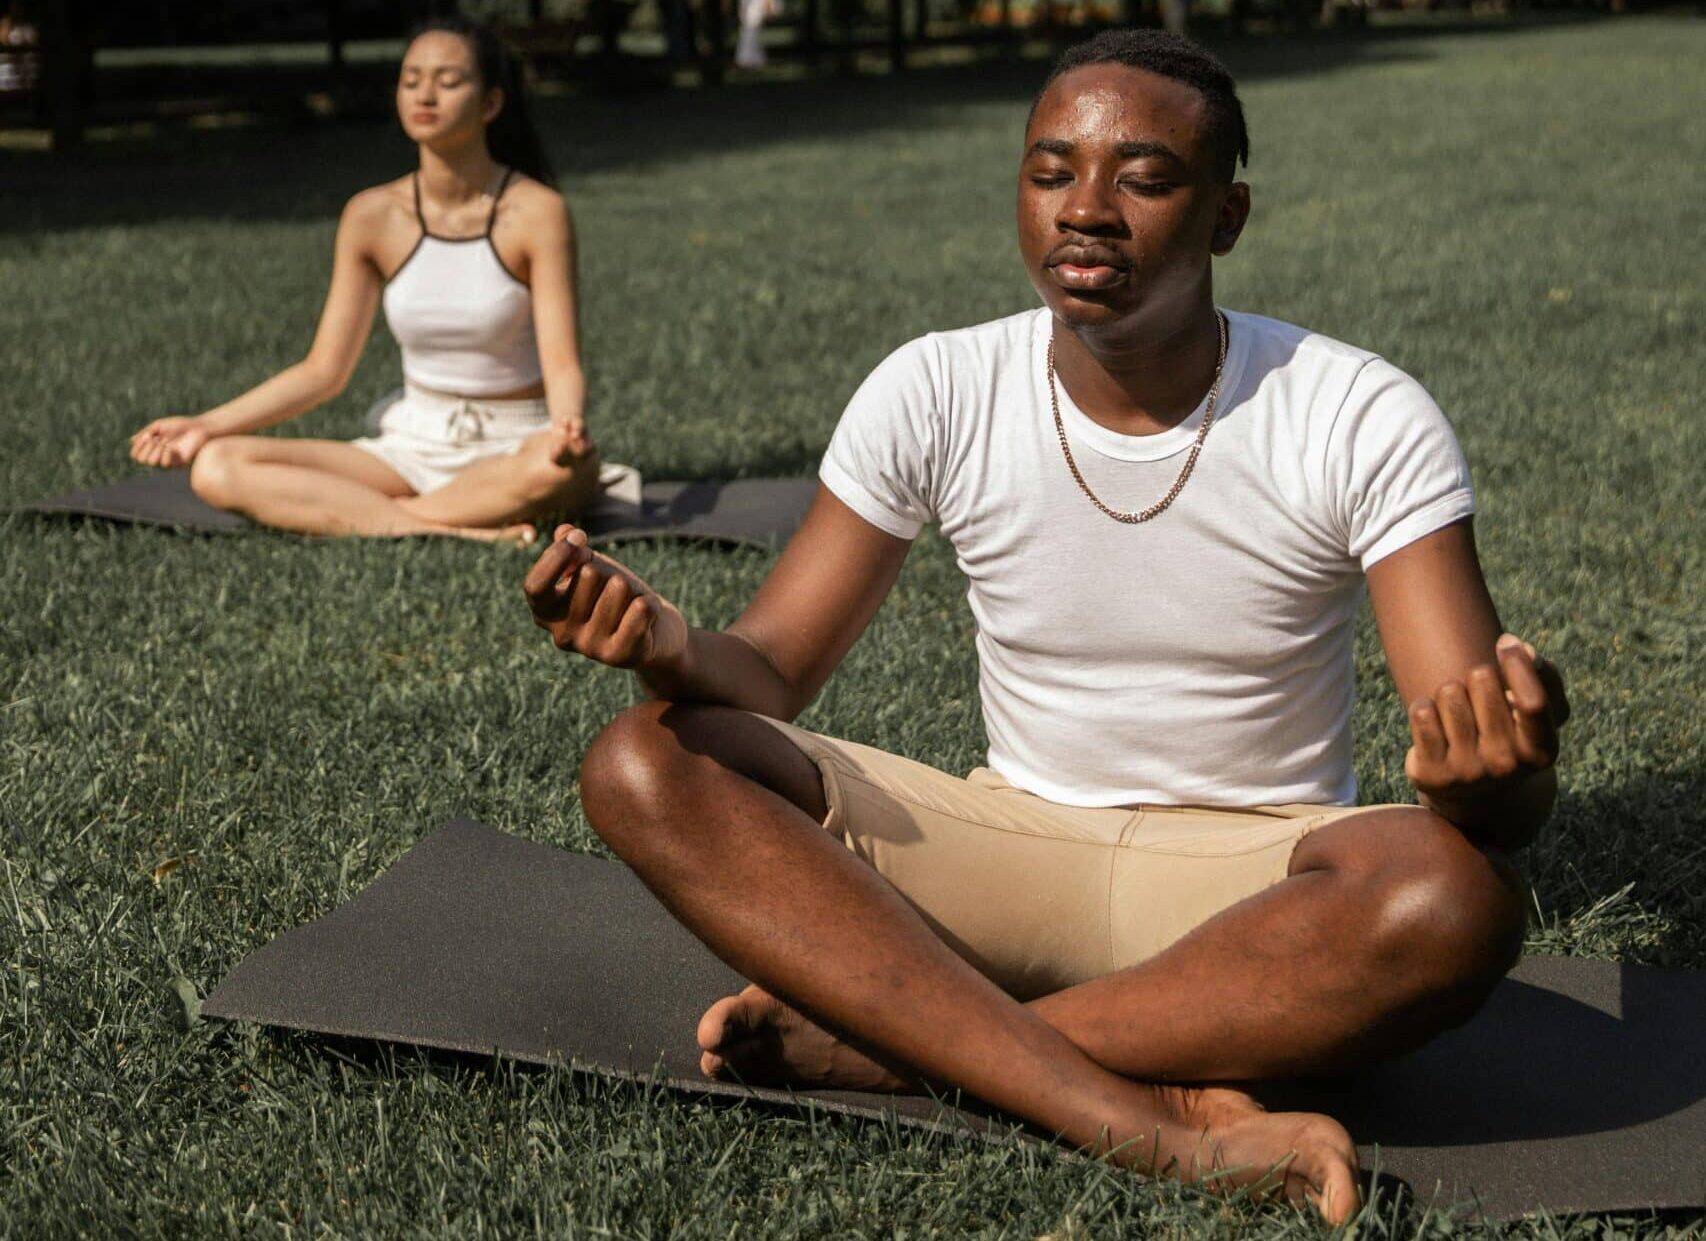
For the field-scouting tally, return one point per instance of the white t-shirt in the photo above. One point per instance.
(1203, 657)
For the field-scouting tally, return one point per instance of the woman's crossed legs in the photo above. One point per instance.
(333, 487)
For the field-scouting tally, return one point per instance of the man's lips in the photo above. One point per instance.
(1075, 276)
(1087, 267)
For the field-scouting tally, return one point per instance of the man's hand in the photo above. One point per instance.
(596, 607)
(168, 442)
(1476, 741)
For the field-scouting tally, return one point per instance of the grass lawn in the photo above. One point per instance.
(1511, 213)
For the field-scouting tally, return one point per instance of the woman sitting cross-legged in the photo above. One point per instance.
(473, 256)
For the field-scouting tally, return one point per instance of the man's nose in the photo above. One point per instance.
(1089, 207)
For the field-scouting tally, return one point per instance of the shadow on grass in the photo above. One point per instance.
(1622, 871)
(280, 171)
(1535, 1064)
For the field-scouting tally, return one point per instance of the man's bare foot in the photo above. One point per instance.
(1224, 1141)
(755, 1038)
(1217, 1138)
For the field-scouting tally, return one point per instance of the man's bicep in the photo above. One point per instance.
(1436, 618)
(827, 585)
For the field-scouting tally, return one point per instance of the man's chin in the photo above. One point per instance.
(1090, 311)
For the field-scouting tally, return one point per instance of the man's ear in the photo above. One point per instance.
(494, 104)
(1229, 221)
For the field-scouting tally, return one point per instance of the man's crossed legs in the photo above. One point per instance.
(1156, 969)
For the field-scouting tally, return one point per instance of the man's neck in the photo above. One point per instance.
(1140, 383)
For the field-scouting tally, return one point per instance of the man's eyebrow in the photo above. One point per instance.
(1148, 150)
(1125, 150)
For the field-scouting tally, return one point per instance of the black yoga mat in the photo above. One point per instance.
(1580, 1087)
(757, 511)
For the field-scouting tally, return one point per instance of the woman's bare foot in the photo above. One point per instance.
(755, 1038)
(1217, 1138)
(521, 534)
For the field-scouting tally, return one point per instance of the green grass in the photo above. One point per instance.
(1512, 214)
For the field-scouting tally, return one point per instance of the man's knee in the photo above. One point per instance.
(660, 771)
(1443, 918)
(630, 772)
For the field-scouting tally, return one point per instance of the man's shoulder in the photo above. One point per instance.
(995, 341)
(1309, 374)
(1018, 327)
(1276, 343)
(957, 367)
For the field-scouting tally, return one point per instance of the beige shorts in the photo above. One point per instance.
(430, 437)
(1041, 896)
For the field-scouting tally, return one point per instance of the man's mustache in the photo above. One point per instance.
(1086, 254)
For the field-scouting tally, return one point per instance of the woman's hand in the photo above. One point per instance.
(603, 610)
(574, 441)
(168, 442)
(566, 398)
(1476, 741)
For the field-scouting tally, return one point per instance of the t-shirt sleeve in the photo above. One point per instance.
(1394, 466)
(880, 461)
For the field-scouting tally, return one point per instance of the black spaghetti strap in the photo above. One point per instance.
(420, 216)
(503, 185)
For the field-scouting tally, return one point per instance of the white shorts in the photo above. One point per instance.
(429, 437)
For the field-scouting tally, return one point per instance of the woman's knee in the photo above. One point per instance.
(544, 483)
(214, 474)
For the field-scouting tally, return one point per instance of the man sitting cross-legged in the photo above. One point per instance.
(1160, 887)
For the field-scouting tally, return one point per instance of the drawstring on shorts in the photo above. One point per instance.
(467, 422)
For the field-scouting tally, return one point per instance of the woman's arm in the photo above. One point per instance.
(552, 263)
(345, 323)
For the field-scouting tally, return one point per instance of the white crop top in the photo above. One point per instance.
(465, 324)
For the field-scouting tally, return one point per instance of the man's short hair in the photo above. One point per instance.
(1176, 57)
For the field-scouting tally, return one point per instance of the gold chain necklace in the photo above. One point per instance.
(1160, 506)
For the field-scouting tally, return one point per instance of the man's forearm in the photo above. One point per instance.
(1509, 815)
(726, 670)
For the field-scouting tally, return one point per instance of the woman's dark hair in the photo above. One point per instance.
(510, 137)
